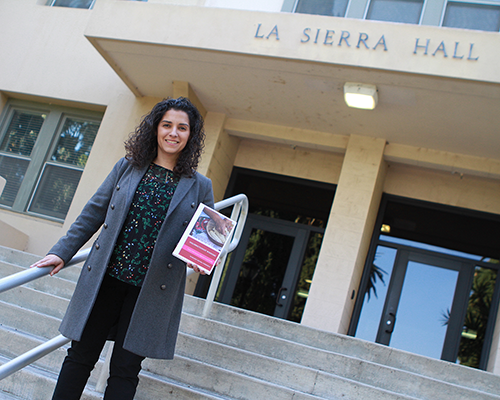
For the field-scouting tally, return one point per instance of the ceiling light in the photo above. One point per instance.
(360, 95)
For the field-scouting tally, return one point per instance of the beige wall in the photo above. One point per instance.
(289, 160)
(52, 56)
(467, 191)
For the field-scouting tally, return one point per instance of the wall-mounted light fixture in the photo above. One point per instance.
(360, 95)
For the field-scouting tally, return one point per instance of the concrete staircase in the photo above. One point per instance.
(234, 354)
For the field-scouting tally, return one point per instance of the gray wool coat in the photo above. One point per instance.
(155, 321)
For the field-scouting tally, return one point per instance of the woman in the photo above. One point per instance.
(131, 287)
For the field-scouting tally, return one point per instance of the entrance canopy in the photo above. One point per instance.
(438, 88)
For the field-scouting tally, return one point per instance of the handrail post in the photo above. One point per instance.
(239, 213)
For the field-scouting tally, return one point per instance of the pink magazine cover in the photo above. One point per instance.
(205, 237)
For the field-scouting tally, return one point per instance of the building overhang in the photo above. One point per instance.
(438, 88)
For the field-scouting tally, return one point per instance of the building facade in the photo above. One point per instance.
(383, 224)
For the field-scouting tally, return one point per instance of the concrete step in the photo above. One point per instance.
(36, 300)
(238, 354)
(21, 342)
(34, 383)
(357, 349)
(226, 383)
(37, 383)
(6, 396)
(156, 387)
(236, 373)
(267, 356)
(188, 345)
(25, 320)
(17, 257)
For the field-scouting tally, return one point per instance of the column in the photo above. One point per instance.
(347, 236)
(220, 151)
(217, 163)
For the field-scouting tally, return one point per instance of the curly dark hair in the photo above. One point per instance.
(142, 145)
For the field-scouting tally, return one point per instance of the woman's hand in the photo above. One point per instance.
(50, 260)
(196, 269)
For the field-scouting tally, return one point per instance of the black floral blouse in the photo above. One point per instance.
(131, 255)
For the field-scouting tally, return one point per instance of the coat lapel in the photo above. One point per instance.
(183, 187)
(135, 177)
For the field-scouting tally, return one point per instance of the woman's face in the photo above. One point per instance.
(172, 134)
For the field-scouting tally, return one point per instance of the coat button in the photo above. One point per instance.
(193, 205)
(97, 246)
(112, 206)
(89, 267)
(105, 226)
(169, 265)
(185, 223)
(163, 287)
(117, 187)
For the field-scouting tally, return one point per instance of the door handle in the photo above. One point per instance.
(390, 321)
(281, 296)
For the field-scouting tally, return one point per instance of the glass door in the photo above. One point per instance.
(430, 304)
(430, 284)
(420, 305)
(263, 271)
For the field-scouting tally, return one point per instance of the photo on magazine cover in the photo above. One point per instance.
(205, 238)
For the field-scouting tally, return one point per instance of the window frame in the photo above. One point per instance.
(43, 148)
(50, 3)
(474, 2)
(291, 6)
(369, 2)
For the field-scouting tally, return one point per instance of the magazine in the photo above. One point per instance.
(205, 238)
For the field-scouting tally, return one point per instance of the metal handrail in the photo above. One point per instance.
(239, 214)
(28, 275)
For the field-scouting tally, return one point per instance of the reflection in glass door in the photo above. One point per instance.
(259, 285)
(271, 269)
(420, 304)
(429, 304)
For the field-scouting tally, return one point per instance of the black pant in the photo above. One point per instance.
(113, 308)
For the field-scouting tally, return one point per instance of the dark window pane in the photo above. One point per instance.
(472, 16)
(75, 142)
(73, 3)
(406, 11)
(22, 132)
(55, 191)
(13, 170)
(305, 278)
(262, 271)
(335, 8)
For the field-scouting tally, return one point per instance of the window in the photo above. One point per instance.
(87, 4)
(72, 3)
(43, 151)
(406, 11)
(335, 8)
(472, 16)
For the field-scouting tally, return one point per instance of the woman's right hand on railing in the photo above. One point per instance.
(50, 260)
